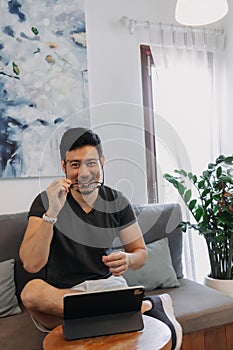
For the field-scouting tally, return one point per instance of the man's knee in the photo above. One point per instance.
(31, 292)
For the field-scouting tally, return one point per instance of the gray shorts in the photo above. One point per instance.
(112, 282)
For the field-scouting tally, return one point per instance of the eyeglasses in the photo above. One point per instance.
(89, 163)
(77, 186)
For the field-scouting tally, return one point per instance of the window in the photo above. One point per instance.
(183, 114)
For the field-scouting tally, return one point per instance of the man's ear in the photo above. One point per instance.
(63, 166)
(102, 160)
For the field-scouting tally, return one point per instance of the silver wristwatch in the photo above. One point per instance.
(45, 217)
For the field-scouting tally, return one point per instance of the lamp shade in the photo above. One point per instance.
(200, 12)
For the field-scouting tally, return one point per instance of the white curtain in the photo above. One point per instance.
(189, 87)
(189, 98)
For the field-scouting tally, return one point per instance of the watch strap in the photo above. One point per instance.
(45, 217)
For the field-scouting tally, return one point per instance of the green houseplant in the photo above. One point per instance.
(209, 198)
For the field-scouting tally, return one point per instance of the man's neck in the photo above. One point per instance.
(87, 201)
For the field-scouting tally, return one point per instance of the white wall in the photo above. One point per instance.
(17, 194)
(115, 97)
(115, 87)
(113, 53)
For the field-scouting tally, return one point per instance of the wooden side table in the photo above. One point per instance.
(155, 336)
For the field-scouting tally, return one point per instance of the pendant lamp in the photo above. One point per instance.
(200, 12)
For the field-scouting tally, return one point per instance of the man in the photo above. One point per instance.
(71, 228)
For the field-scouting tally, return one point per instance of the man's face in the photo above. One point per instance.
(83, 165)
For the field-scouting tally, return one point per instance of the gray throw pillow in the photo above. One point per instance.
(8, 300)
(158, 271)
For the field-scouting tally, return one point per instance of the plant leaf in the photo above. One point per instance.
(220, 159)
(181, 172)
(198, 214)
(201, 184)
(192, 204)
(205, 192)
(187, 196)
(194, 178)
(206, 174)
(167, 176)
(219, 171)
(211, 166)
(181, 189)
(229, 159)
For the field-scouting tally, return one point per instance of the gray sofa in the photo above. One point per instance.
(202, 312)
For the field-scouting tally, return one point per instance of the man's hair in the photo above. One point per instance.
(79, 137)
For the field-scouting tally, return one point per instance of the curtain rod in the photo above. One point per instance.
(132, 23)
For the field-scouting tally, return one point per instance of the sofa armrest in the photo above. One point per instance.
(12, 228)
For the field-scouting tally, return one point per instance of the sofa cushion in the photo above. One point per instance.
(161, 220)
(198, 307)
(8, 300)
(19, 332)
(158, 271)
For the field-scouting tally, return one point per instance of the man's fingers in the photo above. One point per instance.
(117, 262)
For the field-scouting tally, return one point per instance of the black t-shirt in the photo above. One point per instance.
(80, 239)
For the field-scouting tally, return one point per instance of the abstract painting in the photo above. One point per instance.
(43, 82)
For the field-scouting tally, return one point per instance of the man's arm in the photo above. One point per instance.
(34, 250)
(135, 253)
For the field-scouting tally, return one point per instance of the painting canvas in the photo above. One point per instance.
(43, 82)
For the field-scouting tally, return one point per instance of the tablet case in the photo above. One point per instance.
(102, 313)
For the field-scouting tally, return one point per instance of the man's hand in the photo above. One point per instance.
(57, 193)
(118, 262)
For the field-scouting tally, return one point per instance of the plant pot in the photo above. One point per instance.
(224, 286)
